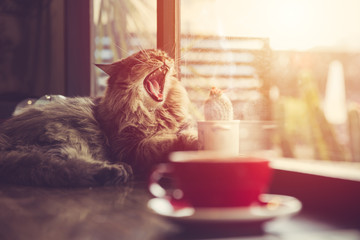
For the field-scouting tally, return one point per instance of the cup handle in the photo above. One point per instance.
(158, 189)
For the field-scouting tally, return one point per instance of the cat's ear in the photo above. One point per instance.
(110, 69)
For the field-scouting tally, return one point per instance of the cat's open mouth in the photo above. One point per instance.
(154, 83)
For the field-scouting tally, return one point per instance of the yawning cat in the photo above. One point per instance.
(101, 141)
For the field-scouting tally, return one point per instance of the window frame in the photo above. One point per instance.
(168, 29)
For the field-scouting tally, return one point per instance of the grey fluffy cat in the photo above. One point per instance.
(104, 141)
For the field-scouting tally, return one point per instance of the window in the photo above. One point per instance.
(290, 67)
(120, 29)
(293, 63)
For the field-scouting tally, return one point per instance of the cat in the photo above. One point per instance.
(84, 141)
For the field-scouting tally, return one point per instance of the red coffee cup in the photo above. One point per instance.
(212, 179)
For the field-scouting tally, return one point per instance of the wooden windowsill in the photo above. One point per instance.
(341, 170)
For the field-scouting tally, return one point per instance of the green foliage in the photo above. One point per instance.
(354, 131)
(302, 122)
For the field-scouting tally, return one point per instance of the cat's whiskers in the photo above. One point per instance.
(141, 63)
(183, 56)
(123, 51)
(146, 54)
(145, 65)
(152, 63)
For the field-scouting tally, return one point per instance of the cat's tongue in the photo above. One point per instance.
(154, 88)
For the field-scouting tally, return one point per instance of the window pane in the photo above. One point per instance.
(295, 63)
(217, 52)
(121, 27)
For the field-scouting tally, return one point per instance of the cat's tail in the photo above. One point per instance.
(31, 166)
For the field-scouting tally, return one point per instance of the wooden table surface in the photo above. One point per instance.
(122, 213)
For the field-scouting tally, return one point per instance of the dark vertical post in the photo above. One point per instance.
(168, 27)
(77, 47)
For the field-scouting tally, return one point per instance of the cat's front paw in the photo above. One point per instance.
(115, 174)
(189, 140)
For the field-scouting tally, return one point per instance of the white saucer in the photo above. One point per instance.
(273, 206)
